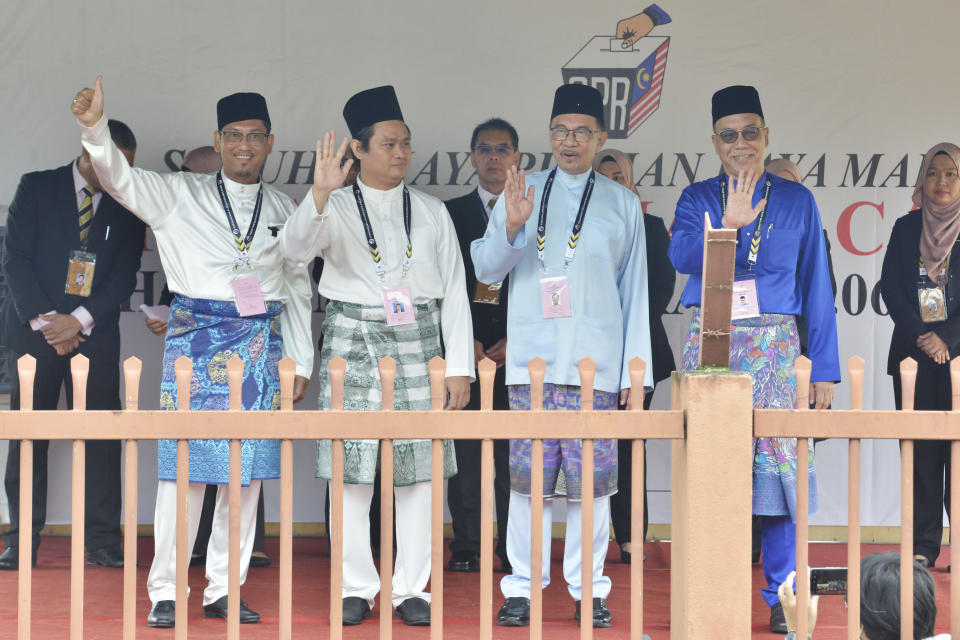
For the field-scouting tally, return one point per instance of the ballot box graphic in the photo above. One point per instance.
(630, 80)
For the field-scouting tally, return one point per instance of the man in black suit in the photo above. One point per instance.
(493, 150)
(71, 262)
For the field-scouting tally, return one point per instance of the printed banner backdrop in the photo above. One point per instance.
(854, 92)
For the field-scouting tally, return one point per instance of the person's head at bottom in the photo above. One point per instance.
(880, 598)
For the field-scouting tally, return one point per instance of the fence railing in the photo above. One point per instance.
(286, 425)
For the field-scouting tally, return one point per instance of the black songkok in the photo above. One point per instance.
(736, 99)
(370, 107)
(242, 106)
(578, 98)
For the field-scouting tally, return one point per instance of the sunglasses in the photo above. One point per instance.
(729, 136)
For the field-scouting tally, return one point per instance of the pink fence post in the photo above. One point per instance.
(79, 370)
(338, 370)
(856, 366)
(638, 369)
(955, 506)
(803, 368)
(588, 368)
(235, 382)
(438, 395)
(288, 372)
(388, 372)
(183, 370)
(908, 379)
(486, 370)
(27, 371)
(132, 368)
(537, 368)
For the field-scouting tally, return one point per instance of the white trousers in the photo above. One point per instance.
(412, 569)
(162, 581)
(517, 585)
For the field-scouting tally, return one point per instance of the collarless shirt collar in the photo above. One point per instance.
(380, 196)
(240, 189)
(573, 181)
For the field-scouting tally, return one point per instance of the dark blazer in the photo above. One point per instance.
(469, 219)
(898, 286)
(42, 230)
(661, 279)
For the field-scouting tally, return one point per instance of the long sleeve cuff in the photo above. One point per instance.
(86, 320)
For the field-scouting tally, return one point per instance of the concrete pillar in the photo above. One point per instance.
(710, 584)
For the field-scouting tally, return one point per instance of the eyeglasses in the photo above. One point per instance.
(580, 134)
(750, 133)
(500, 149)
(232, 138)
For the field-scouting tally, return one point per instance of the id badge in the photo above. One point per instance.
(248, 296)
(745, 301)
(933, 305)
(555, 297)
(80, 273)
(398, 305)
(488, 293)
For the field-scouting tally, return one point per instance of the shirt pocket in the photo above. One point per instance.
(538, 336)
(779, 250)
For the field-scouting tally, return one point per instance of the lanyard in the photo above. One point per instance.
(758, 231)
(577, 224)
(243, 242)
(372, 242)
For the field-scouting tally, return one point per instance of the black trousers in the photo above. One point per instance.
(463, 489)
(103, 501)
(931, 461)
(620, 511)
(205, 528)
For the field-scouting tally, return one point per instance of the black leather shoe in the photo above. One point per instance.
(778, 624)
(601, 615)
(10, 559)
(259, 560)
(464, 561)
(515, 612)
(219, 610)
(415, 612)
(109, 557)
(162, 615)
(355, 610)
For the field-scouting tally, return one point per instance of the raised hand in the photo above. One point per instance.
(328, 175)
(518, 201)
(88, 105)
(740, 210)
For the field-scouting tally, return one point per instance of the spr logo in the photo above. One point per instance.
(627, 70)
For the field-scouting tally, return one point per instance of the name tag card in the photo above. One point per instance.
(398, 305)
(933, 304)
(745, 301)
(487, 293)
(248, 296)
(80, 273)
(555, 297)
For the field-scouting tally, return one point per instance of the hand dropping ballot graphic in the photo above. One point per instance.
(627, 69)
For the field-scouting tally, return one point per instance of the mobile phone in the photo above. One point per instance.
(828, 581)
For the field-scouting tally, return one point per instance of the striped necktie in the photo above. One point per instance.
(86, 212)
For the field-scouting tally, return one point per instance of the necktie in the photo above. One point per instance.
(491, 203)
(86, 212)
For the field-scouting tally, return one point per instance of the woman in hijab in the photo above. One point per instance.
(661, 280)
(920, 284)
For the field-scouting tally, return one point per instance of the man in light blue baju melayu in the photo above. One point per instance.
(578, 288)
